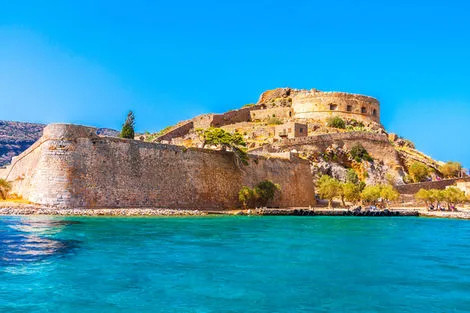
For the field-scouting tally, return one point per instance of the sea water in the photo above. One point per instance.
(234, 264)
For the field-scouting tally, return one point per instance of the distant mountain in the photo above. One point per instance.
(15, 137)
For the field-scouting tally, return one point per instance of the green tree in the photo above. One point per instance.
(265, 191)
(388, 193)
(5, 188)
(336, 122)
(418, 172)
(349, 192)
(351, 176)
(425, 196)
(246, 196)
(371, 194)
(328, 188)
(359, 153)
(450, 169)
(127, 130)
(225, 140)
(453, 196)
(436, 196)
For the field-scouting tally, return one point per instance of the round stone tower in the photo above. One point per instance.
(314, 104)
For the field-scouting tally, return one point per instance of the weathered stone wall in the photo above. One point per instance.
(176, 132)
(438, 184)
(72, 167)
(377, 145)
(291, 130)
(203, 121)
(319, 105)
(235, 116)
(265, 114)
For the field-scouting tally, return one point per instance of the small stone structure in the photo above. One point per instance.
(72, 167)
(291, 130)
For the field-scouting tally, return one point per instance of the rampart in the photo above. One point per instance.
(313, 104)
(266, 114)
(72, 167)
(178, 131)
(377, 145)
(437, 184)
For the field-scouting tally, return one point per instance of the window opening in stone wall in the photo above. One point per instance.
(349, 108)
(290, 114)
(333, 107)
(363, 110)
(301, 130)
(374, 113)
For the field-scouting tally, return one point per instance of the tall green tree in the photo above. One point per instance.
(5, 188)
(127, 130)
(371, 194)
(328, 188)
(350, 192)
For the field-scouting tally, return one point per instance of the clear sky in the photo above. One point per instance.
(91, 61)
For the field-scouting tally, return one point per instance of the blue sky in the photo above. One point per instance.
(89, 62)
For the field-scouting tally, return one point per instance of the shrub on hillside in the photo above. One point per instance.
(358, 153)
(450, 169)
(336, 122)
(274, 121)
(418, 172)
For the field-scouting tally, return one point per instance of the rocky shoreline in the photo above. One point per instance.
(30, 209)
(33, 210)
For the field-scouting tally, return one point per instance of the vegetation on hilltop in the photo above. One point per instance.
(418, 172)
(336, 122)
(451, 169)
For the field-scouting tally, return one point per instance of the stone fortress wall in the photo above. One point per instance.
(72, 167)
(286, 104)
(313, 104)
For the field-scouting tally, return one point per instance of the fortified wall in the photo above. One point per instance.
(377, 145)
(287, 103)
(313, 104)
(71, 167)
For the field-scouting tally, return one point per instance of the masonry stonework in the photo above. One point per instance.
(70, 166)
(313, 104)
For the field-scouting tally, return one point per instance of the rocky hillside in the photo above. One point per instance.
(15, 137)
(335, 126)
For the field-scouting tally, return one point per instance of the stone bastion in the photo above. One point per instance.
(313, 104)
(72, 167)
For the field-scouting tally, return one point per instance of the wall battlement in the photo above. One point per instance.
(72, 167)
(317, 105)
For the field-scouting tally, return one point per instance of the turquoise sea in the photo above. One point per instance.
(234, 264)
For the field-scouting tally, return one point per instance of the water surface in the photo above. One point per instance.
(234, 264)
